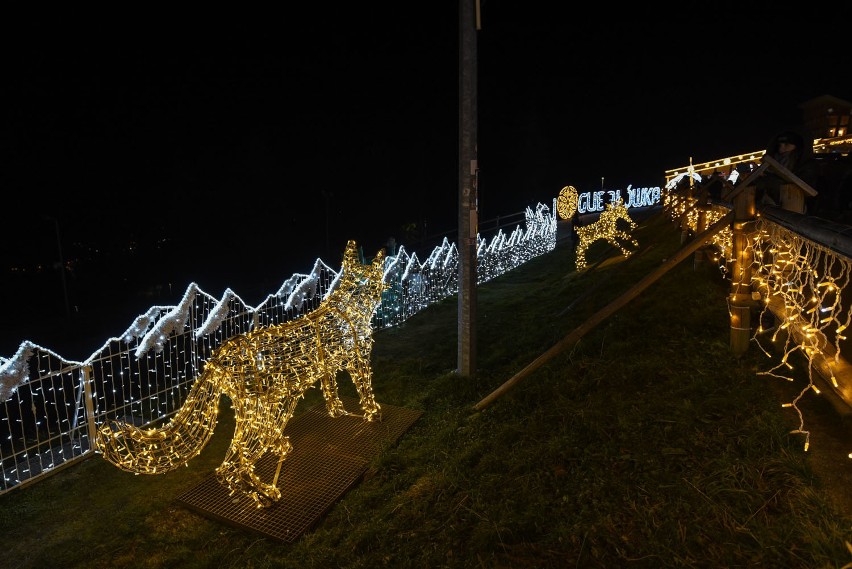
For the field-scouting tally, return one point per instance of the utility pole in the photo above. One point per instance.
(468, 174)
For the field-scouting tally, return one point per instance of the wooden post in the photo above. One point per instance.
(468, 181)
(701, 225)
(703, 196)
(792, 193)
(792, 198)
(86, 378)
(740, 299)
(684, 219)
(604, 313)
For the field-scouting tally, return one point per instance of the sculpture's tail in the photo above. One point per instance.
(160, 450)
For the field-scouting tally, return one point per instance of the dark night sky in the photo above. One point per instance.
(228, 141)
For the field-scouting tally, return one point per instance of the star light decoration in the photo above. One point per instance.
(265, 373)
(606, 227)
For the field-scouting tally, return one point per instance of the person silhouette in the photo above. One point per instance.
(790, 149)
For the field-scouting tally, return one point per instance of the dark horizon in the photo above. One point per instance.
(241, 150)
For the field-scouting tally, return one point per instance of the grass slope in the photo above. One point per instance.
(647, 444)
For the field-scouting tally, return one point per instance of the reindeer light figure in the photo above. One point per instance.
(606, 227)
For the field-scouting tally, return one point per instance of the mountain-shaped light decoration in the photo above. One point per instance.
(171, 323)
(15, 370)
(304, 291)
(139, 327)
(538, 238)
(217, 315)
(606, 227)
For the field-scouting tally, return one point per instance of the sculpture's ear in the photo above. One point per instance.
(379, 260)
(350, 255)
(379, 265)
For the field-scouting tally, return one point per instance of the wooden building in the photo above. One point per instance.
(828, 119)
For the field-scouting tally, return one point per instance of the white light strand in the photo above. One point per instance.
(158, 324)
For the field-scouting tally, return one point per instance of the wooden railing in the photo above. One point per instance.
(790, 279)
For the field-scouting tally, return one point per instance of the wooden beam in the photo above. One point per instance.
(608, 310)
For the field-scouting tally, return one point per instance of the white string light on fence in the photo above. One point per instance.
(265, 373)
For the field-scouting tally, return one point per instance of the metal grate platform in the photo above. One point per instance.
(329, 457)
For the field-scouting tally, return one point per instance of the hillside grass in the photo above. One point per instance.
(647, 444)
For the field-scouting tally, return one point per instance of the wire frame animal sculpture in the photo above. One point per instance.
(606, 227)
(265, 373)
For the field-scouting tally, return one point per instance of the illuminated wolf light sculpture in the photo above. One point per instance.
(265, 373)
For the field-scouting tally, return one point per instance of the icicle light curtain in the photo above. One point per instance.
(806, 299)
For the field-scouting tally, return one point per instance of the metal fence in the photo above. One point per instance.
(51, 406)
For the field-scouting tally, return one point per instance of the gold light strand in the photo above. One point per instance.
(606, 227)
(265, 373)
(800, 282)
(566, 202)
(676, 203)
(681, 207)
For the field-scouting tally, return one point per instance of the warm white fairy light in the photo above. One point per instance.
(676, 202)
(801, 282)
(566, 202)
(265, 373)
(606, 227)
(683, 208)
(747, 160)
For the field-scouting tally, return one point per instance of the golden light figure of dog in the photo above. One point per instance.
(606, 227)
(265, 373)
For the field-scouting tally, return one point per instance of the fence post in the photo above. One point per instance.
(740, 299)
(703, 195)
(90, 405)
(684, 219)
(701, 254)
